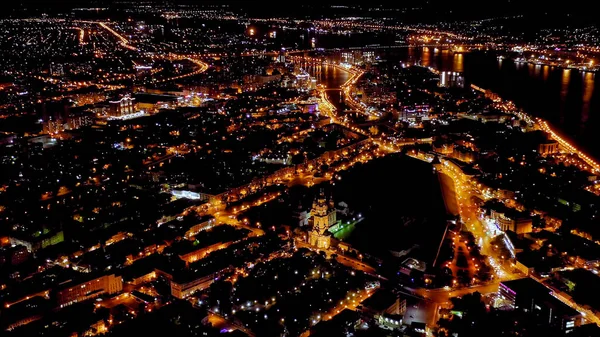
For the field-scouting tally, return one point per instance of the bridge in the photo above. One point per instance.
(300, 51)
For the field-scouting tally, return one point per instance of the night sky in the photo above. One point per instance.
(536, 12)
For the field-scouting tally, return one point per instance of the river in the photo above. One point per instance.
(330, 77)
(567, 98)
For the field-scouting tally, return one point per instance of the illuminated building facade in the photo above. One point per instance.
(199, 254)
(512, 220)
(36, 241)
(54, 126)
(451, 79)
(356, 57)
(77, 121)
(348, 57)
(182, 289)
(71, 122)
(57, 69)
(143, 278)
(72, 292)
(303, 81)
(548, 147)
(386, 307)
(531, 296)
(443, 148)
(205, 223)
(323, 216)
(368, 56)
(121, 107)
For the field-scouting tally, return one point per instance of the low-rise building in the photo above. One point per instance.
(581, 284)
(24, 312)
(38, 240)
(513, 220)
(13, 255)
(508, 219)
(341, 323)
(204, 223)
(184, 286)
(198, 254)
(122, 106)
(154, 102)
(301, 215)
(386, 307)
(442, 147)
(73, 291)
(548, 147)
(464, 154)
(523, 268)
(531, 296)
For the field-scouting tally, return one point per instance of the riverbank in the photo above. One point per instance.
(564, 141)
(559, 63)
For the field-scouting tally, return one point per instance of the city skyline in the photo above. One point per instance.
(210, 168)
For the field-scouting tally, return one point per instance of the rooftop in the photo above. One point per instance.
(380, 301)
(530, 287)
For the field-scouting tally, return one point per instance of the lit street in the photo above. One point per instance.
(188, 169)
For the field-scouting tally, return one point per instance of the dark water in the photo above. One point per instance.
(330, 77)
(569, 99)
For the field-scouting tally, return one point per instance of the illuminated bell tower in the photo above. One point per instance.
(323, 216)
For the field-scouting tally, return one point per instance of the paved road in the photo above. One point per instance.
(355, 264)
(464, 190)
(229, 218)
(345, 260)
(461, 248)
(441, 296)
